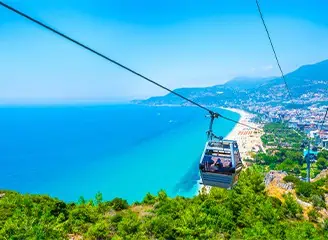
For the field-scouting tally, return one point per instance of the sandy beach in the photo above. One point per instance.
(248, 139)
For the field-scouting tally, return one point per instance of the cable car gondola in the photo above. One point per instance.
(220, 163)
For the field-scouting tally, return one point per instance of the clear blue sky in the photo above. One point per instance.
(178, 43)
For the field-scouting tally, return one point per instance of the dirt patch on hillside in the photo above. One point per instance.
(142, 210)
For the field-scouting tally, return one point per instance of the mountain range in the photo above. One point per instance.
(308, 80)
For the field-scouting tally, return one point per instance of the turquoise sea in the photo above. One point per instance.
(68, 151)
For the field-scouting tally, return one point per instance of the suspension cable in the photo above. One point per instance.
(212, 113)
(276, 57)
(101, 55)
(273, 49)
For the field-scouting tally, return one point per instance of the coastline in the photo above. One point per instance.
(248, 139)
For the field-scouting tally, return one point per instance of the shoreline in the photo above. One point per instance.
(247, 138)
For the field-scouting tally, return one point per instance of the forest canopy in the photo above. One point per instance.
(245, 212)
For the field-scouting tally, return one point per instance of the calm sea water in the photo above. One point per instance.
(120, 150)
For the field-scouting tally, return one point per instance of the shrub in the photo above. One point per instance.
(291, 178)
(318, 201)
(119, 204)
(116, 218)
(98, 198)
(100, 230)
(162, 196)
(129, 225)
(291, 208)
(149, 199)
(325, 225)
(304, 189)
(313, 215)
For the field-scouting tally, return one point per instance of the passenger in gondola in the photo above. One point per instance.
(206, 163)
(219, 163)
(227, 163)
(226, 166)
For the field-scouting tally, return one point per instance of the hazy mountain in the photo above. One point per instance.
(312, 78)
(307, 79)
(317, 71)
(247, 82)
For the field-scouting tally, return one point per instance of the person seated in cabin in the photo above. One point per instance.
(207, 159)
(228, 162)
(206, 164)
(215, 164)
(226, 165)
(219, 163)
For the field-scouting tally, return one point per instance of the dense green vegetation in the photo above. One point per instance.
(280, 135)
(322, 162)
(310, 191)
(246, 212)
(284, 151)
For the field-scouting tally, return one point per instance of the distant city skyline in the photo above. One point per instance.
(177, 43)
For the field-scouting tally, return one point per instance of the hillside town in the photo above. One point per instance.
(308, 120)
(308, 115)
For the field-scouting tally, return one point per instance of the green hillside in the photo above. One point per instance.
(246, 212)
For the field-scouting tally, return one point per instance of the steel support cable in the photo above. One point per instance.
(275, 55)
(273, 48)
(100, 54)
(212, 113)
